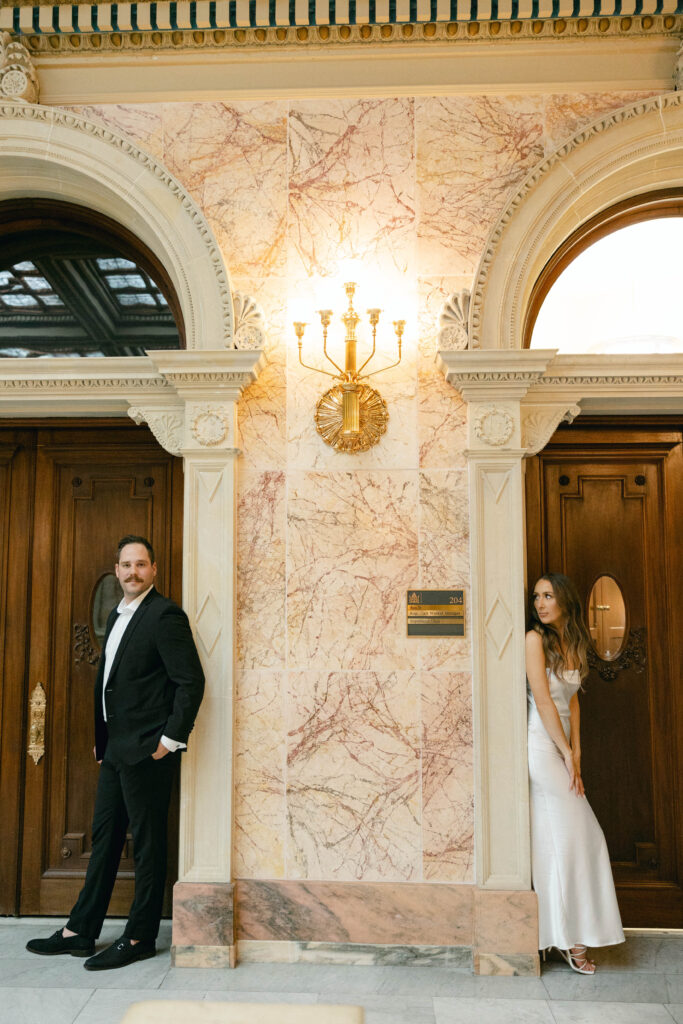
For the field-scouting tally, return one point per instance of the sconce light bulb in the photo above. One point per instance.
(374, 316)
(299, 328)
(325, 316)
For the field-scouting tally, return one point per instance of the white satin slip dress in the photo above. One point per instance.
(570, 864)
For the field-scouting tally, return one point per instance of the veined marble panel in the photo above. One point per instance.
(444, 528)
(353, 776)
(359, 954)
(442, 421)
(411, 914)
(506, 921)
(351, 186)
(259, 778)
(567, 113)
(471, 152)
(142, 124)
(352, 554)
(447, 777)
(233, 158)
(260, 600)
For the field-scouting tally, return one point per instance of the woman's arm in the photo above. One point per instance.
(538, 681)
(575, 739)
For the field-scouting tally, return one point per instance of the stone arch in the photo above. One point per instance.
(636, 149)
(50, 153)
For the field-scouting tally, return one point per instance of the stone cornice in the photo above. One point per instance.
(551, 382)
(494, 374)
(73, 386)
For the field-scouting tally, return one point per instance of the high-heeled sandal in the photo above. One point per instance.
(577, 958)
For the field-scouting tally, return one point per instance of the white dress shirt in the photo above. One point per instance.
(125, 614)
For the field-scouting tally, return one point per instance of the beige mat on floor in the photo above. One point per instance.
(183, 1011)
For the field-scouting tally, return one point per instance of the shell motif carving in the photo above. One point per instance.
(210, 426)
(249, 322)
(18, 80)
(494, 426)
(453, 322)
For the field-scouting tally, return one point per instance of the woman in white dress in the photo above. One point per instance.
(572, 876)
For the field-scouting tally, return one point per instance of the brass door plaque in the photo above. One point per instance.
(436, 613)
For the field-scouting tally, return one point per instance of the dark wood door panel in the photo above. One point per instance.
(600, 503)
(16, 485)
(91, 483)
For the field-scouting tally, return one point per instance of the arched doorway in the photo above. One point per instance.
(188, 397)
(516, 399)
(600, 500)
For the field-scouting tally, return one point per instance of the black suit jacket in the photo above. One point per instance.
(155, 685)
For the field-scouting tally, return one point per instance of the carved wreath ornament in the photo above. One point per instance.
(209, 427)
(494, 426)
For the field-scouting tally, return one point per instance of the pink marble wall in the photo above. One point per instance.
(353, 743)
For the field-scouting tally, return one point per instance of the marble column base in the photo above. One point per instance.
(203, 925)
(506, 933)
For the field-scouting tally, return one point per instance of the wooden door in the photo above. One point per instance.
(603, 500)
(87, 485)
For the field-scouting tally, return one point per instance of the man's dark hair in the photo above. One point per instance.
(133, 539)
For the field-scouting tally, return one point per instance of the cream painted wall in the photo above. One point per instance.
(353, 743)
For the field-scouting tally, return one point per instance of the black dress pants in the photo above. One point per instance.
(139, 794)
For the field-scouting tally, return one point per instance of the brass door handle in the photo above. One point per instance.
(36, 732)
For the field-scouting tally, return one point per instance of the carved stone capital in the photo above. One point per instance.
(453, 333)
(167, 423)
(18, 79)
(540, 421)
(249, 322)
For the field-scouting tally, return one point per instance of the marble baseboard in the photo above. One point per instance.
(523, 965)
(354, 954)
(365, 913)
(203, 956)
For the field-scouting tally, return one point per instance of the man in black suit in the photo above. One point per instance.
(148, 691)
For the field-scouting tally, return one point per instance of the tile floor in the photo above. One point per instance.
(638, 983)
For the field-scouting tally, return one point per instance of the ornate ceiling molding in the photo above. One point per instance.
(148, 26)
(527, 231)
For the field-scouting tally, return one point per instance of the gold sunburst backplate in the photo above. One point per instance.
(373, 419)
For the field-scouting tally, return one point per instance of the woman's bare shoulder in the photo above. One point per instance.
(534, 640)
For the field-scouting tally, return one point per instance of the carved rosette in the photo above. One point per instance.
(18, 79)
(249, 322)
(210, 426)
(494, 426)
(167, 425)
(453, 322)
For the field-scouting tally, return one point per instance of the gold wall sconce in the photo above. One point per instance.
(351, 416)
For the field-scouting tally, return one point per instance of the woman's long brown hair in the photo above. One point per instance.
(576, 636)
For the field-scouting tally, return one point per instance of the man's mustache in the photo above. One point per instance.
(132, 579)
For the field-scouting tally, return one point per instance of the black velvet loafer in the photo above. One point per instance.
(75, 945)
(119, 954)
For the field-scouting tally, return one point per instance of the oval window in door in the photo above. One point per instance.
(607, 618)
(106, 596)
